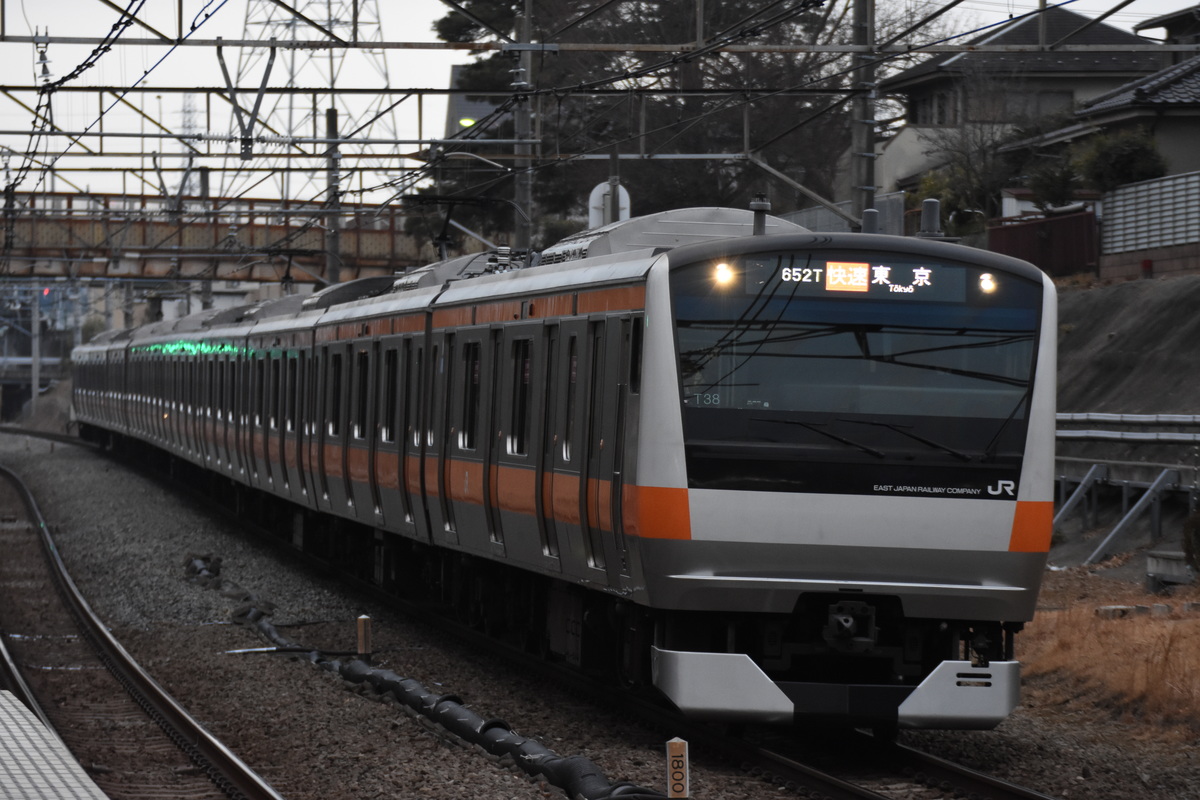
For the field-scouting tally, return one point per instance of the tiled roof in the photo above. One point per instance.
(1059, 23)
(1175, 86)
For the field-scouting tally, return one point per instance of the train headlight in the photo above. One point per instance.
(723, 274)
(987, 283)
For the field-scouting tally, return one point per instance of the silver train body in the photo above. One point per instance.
(794, 475)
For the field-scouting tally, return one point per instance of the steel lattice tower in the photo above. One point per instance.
(323, 71)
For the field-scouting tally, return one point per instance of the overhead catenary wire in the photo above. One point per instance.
(412, 179)
(731, 34)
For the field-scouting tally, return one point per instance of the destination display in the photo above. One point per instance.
(802, 275)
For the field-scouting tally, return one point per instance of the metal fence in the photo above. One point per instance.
(1060, 245)
(1158, 213)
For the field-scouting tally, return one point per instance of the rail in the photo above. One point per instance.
(228, 771)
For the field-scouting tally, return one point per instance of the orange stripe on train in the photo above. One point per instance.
(655, 512)
(1033, 525)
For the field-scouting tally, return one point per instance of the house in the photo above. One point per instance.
(1165, 104)
(976, 99)
(1181, 27)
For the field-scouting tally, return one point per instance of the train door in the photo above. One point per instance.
(551, 439)
(248, 416)
(519, 449)
(604, 537)
(303, 489)
(389, 458)
(211, 412)
(438, 480)
(414, 416)
(628, 361)
(360, 449)
(228, 441)
(258, 420)
(273, 430)
(565, 475)
(333, 428)
(289, 439)
(241, 414)
(155, 415)
(316, 429)
(191, 405)
(469, 440)
(493, 444)
(387, 450)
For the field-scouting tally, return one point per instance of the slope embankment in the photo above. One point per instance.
(1130, 347)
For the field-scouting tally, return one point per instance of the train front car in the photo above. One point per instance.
(863, 430)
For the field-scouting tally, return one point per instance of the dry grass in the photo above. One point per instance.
(1140, 666)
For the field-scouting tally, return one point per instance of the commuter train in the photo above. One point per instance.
(779, 475)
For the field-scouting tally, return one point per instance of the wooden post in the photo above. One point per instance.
(364, 637)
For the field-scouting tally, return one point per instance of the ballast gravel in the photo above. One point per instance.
(126, 538)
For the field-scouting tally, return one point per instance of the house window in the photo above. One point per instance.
(936, 108)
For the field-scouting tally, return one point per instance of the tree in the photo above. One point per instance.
(784, 108)
(1053, 182)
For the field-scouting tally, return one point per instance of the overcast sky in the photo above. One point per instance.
(402, 20)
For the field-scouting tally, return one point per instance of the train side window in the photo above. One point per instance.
(219, 388)
(334, 401)
(289, 399)
(472, 365)
(362, 365)
(387, 428)
(273, 408)
(260, 376)
(436, 363)
(412, 369)
(212, 388)
(312, 409)
(245, 396)
(230, 383)
(635, 355)
(572, 384)
(518, 440)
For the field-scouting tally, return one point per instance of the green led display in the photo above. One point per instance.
(191, 349)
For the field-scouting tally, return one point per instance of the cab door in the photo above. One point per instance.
(607, 367)
(553, 403)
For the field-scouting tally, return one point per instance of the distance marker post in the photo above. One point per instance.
(677, 768)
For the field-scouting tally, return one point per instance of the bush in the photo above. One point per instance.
(1114, 159)
(1053, 184)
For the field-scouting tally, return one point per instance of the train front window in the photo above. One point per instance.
(850, 358)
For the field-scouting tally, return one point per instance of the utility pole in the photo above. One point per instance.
(522, 115)
(333, 232)
(862, 134)
(35, 351)
(206, 287)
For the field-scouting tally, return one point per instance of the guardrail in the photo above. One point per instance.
(1081, 478)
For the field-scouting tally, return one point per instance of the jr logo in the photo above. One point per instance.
(1003, 487)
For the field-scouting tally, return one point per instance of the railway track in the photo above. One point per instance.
(890, 771)
(808, 766)
(131, 737)
(874, 771)
(887, 769)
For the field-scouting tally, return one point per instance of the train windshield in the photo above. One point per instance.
(807, 358)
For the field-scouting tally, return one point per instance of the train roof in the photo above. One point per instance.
(648, 235)
(663, 231)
